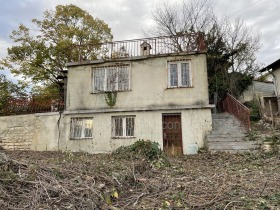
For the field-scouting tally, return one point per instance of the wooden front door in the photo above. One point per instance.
(172, 134)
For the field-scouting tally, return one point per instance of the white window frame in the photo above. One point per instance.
(124, 126)
(82, 121)
(105, 83)
(179, 72)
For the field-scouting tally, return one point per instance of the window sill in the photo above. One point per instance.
(179, 87)
(104, 92)
(83, 138)
(124, 137)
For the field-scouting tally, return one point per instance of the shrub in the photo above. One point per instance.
(254, 107)
(143, 149)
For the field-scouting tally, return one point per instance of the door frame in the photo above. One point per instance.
(181, 133)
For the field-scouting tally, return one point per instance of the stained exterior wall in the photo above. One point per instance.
(42, 133)
(148, 85)
(276, 74)
(33, 131)
(17, 132)
(258, 89)
(48, 135)
(148, 125)
(149, 91)
(148, 99)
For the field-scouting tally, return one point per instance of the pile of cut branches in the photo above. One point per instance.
(65, 180)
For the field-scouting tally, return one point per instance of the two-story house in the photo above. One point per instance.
(154, 89)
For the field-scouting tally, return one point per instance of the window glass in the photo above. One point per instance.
(81, 128)
(173, 75)
(123, 126)
(185, 74)
(113, 78)
(99, 76)
(179, 74)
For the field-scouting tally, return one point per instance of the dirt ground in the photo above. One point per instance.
(65, 180)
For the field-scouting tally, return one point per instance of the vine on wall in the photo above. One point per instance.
(111, 98)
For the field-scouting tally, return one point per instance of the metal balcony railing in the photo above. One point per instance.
(181, 43)
(32, 104)
(236, 108)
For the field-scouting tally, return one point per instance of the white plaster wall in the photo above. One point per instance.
(148, 85)
(40, 132)
(196, 123)
(276, 73)
(46, 138)
(147, 126)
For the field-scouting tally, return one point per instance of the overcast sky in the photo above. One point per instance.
(128, 18)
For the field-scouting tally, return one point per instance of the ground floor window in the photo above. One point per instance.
(123, 126)
(81, 128)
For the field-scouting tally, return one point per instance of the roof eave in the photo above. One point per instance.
(272, 66)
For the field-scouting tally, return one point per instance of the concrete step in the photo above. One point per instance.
(228, 131)
(233, 145)
(226, 122)
(230, 123)
(235, 151)
(217, 134)
(224, 139)
(228, 135)
(245, 143)
(223, 124)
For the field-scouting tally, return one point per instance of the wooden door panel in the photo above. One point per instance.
(172, 134)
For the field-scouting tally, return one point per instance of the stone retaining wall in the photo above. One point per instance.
(24, 132)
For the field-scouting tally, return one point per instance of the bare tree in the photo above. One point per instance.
(174, 19)
(198, 16)
(243, 45)
(232, 45)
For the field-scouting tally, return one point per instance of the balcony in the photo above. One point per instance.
(164, 45)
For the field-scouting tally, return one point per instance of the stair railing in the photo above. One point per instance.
(236, 108)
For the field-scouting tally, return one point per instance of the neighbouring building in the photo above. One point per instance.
(271, 103)
(258, 90)
(153, 89)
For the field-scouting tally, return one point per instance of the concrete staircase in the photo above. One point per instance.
(228, 135)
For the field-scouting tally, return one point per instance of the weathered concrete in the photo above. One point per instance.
(148, 83)
(228, 135)
(48, 136)
(32, 131)
(148, 125)
(51, 132)
(257, 90)
(148, 99)
(17, 132)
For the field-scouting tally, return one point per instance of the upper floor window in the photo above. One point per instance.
(81, 128)
(179, 74)
(111, 78)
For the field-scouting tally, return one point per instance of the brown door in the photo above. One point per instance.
(172, 134)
